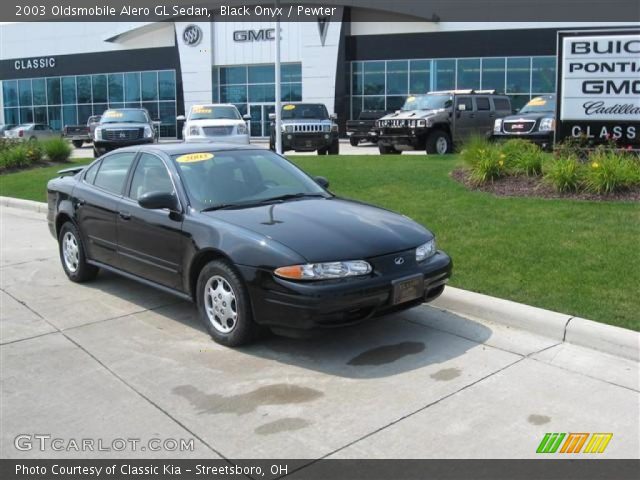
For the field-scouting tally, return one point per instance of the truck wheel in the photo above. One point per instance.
(77, 143)
(439, 142)
(223, 304)
(334, 148)
(388, 150)
(322, 151)
(354, 142)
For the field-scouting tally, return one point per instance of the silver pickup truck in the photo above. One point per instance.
(81, 134)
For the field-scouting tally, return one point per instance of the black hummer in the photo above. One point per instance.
(363, 129)
(437, 121)
(122, 127)
(306, 127)
(534, 122)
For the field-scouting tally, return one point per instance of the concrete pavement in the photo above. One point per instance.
(113, 359)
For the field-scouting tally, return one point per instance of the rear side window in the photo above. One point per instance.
(90, 175)
(113, 172)
(483, 103)
(502, 104)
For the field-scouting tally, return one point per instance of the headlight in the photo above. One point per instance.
(194, 130)
(547, 124)
(97, 133)
(497, 126)
(426, 250)
(242, 129)
(287, 128)
(324, 271)
(148, 132)
(421, 123)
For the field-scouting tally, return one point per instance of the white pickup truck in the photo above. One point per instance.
(220, 123)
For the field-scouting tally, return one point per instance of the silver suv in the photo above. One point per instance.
(437, 121)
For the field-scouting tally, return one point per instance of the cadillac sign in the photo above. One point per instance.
(599, 86)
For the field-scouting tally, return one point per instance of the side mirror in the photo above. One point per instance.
(322, 181)
(272, 116)
(333, 116)
(246, 117)
(159, 200)
(181, 118)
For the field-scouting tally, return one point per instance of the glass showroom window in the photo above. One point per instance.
(71, 100)
(493, 74)
(420, 76)
(468, 75)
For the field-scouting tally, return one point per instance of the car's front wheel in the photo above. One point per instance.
(72, 255)
(354, 142)
(388, 150)
(439, 142)
(77, 143)
(223, 304)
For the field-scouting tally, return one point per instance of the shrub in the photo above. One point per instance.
(15, 157)
(565, 174)
(609, 171)
(523, 156)
(489, 164)
(34, 152)
(7, 143)
(473, 148)
(57, 149)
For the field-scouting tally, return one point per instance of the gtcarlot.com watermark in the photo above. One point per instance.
(48, 443)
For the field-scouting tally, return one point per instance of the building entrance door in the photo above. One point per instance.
(260, 119)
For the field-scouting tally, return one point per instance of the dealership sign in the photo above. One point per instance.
(34, 63)
(192, 35)
(265, 34)
(599, 85)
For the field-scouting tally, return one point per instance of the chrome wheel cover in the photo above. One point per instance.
(220, 304)
(442, 145)
(70, 252)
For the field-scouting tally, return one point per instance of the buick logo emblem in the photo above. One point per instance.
(398, 260)
(192, 35)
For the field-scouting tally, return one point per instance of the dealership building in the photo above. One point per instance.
(61, 73)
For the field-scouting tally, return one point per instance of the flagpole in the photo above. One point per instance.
(278, 125)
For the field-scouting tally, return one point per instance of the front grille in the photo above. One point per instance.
(307, 127)
(394, 123)
(522, 126)
(396, 131)
(123, 134)
(217, 131)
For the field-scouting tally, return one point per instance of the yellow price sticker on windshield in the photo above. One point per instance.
(200, 109)
(538, 102)
(114, 114)
(289, 107)
(411, 99)
(194, 157)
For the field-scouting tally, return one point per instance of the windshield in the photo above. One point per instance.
(124, 116)
(241, 178)
(210, 112)
(304, 111)
(427, 102)
(540, 104)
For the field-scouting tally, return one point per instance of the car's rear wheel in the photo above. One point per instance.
(223, 304)
(439, 142)
(388, 150)
(77, 143)
(354, 142)
(72, 255)
(334, 148)
(322, 151)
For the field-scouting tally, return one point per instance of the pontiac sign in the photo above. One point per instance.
(599, 85)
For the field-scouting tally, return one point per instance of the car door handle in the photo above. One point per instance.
(125, 215)
(81, 201)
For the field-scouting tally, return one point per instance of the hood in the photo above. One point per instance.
(306, 120)
(323, 230)
(411, 114)
(528, 116)
(222, 122)
(122, 125)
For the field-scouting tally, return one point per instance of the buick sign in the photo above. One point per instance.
(192, 35)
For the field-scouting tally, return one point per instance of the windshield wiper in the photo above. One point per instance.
(280, 198)
(290, 196)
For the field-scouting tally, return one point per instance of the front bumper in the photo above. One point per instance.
(306, 142)
(404, 141)
(106, 145)
(308, 306)
(544, 139)
(233, 139)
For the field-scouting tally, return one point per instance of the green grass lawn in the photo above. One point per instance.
(575, 257)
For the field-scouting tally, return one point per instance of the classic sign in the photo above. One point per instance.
(599, 85)
(34, 63)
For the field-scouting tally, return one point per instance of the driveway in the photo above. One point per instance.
(113, 359)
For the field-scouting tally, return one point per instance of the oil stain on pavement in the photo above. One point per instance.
(282, 425)
(243, 403)
(387, 354)
(538, 419)
(446, 374)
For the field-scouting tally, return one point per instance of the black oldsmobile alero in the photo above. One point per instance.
(244, 233)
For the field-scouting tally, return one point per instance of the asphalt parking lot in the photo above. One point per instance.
(113, 359)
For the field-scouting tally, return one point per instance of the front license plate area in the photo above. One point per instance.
(407, 289)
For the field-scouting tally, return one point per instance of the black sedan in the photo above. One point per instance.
(244, 233)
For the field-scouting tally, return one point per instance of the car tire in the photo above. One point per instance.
(322, 151)
(227, 316)
(354, 142)
(439, 143)
(96, 153)
(72, 255)
(388, 150)
(77, 143)
(334, 148)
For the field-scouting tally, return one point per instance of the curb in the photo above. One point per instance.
(558, 326)
(38, 207)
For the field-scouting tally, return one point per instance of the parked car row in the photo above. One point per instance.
(30, 132)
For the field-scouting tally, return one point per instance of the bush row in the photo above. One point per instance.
(14, 154)
(602, 170)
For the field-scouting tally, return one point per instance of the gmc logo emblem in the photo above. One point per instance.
(262, 35)
(517, 126)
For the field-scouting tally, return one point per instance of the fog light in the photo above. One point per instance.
(326, 136)
(289, 137)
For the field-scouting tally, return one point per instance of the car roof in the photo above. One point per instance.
(181, 148)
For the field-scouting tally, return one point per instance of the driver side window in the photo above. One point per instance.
(150, 175)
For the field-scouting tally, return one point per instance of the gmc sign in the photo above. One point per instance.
(262, 35)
